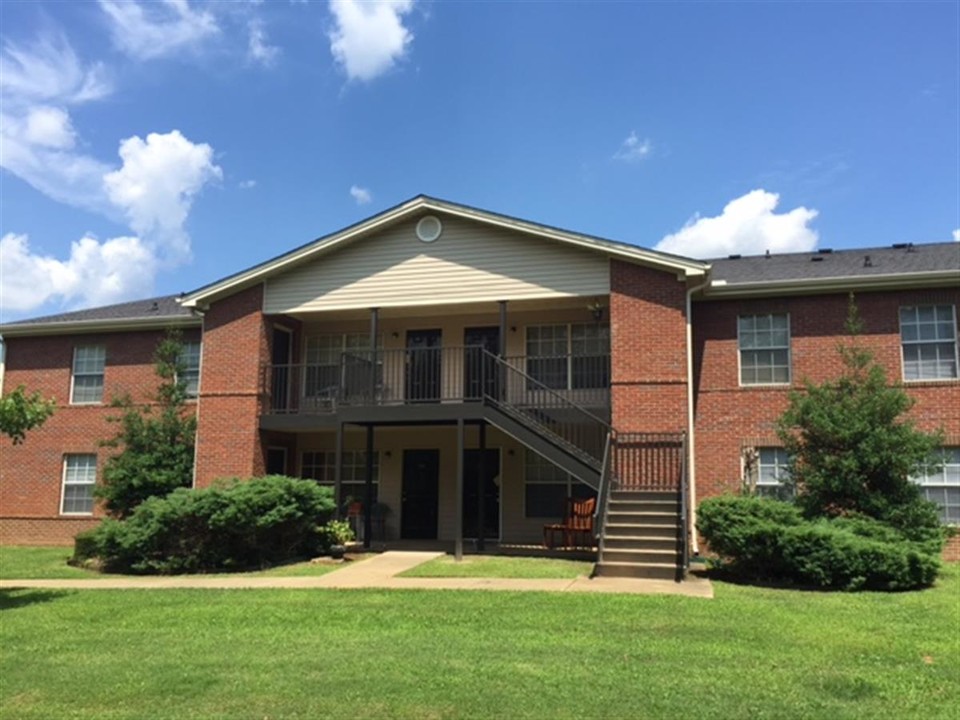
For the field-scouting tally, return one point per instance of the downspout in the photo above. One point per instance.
(691, 452)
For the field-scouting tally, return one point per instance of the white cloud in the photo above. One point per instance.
(633, 149)
(369, 37)
(247, 184)
(49, 70)
(258, 49)
(156, 186)
(157, 29)
(748, 225)
(956, 235)
(361, 195)
(95, 273)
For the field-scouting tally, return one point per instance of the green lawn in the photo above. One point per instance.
(22, 563)
(749, 653)
(500, 567)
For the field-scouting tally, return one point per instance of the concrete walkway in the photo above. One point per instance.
(380, 572)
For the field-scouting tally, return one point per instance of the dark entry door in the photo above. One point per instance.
(471, 493)
(280, 358)
(479, 378)
(276, 461)
(419, 502)
(423, 365)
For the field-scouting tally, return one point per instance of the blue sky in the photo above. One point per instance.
(152, 148)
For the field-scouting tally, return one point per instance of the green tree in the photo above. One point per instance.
(155, 442)
(20, 412)
(852, 449)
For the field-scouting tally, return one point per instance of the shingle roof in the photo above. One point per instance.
(850, 263)
(160, 308)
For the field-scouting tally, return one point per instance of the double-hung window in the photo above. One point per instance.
(190, 365)
(564, 357)
(323, 356)
(547, 487)
(87, 381)
(79, 477)
(928, 334)
(321, 466)
(942, 485)
(764, 349)
(772, 473)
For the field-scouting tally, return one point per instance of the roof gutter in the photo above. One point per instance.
(88, 326)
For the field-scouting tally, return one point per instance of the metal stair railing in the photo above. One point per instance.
(567, 425)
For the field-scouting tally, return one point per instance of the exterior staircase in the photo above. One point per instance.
(642, 536)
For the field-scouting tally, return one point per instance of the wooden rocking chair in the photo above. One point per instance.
(577, 525)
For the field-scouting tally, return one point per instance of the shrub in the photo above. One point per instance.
(760, 538)
(237, 524)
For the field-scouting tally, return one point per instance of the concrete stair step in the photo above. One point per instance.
(658, 571)
(662, 506)
(642, 518)
(641, 542)
(640, 557)
(620, 530)
(644, 496)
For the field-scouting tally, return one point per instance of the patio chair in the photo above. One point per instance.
(577, 526)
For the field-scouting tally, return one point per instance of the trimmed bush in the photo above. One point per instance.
(765, 539)
(235, 525)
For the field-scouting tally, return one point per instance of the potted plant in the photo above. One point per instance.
(340, 533)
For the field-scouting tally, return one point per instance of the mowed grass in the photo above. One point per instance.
(494, 566)
(35, 563)
(749, 653)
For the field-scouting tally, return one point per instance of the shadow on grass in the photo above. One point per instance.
(13, 598)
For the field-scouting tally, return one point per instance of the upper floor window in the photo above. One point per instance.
(190, 361)
(87, 381)
(929, 337)
(942, 485)
(323, 353)
(566, 357)
(764, 342)
(79, 477)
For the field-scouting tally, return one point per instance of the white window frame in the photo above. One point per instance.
(89, 479)
(787, 347)
(323, 469)
(943, 479)
(190, 372)
(535, 460)
(348, 342)
(568, 356)
(937, 341)
(74, 374)
(780, 466)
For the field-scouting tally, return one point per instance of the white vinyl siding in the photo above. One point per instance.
(764, 343)
(942, 486)
(547, 487)
(86, 384)
(468, 263)
(928, 334)
(190, 360)
(322, 467)
(79, 478)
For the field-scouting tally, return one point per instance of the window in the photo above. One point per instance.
(942, 486)
(929, 337)
(190, 360)
(322, 467)
(79, 477)
(566, 357)
(771, 473)
(764, 349)
(87, 383)
(323, 359)
(547, 487)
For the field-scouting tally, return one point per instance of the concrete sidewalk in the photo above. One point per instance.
(380, 572)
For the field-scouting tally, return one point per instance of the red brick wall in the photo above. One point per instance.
(31, 473)
(729, 417)
(647, 349)
(235, 346)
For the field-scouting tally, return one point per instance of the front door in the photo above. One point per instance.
(423, 366)
(479, 378)
(420, 495)
(491, 493)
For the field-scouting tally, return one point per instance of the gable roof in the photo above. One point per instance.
(418, 206)
(895, 266)
(157, 312)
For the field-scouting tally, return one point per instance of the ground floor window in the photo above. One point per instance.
(547, 487)
(942, 486)
(772, 471)
(321, 465)
(79, 477)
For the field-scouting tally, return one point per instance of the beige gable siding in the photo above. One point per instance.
(468, 263)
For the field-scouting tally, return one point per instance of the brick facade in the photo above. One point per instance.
(31, 474)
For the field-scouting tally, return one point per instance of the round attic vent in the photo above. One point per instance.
(429, 228)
